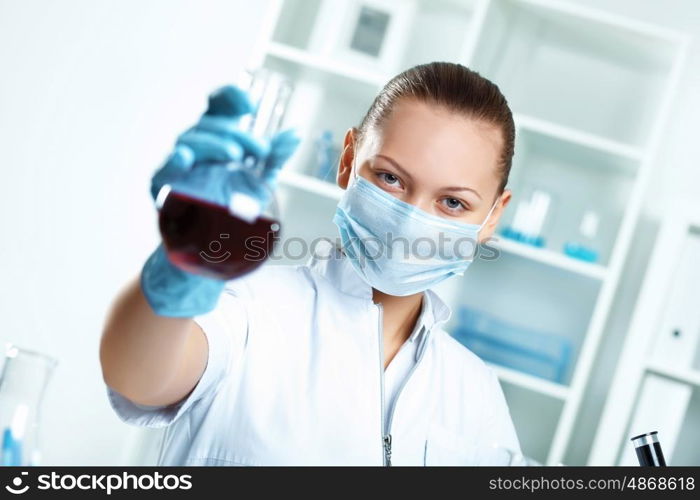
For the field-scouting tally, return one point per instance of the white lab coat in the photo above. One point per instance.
(295, 377)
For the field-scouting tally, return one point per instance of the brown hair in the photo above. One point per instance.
(458, 89)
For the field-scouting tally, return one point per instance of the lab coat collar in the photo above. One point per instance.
(330, 262)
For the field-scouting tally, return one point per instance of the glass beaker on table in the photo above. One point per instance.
(23, 382)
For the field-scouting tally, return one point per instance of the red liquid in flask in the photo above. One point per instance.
(206, 239)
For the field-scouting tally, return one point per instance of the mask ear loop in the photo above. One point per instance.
(490, 212)
(353, 169)
(484, 223)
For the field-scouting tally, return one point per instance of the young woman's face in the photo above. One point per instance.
(441, 162)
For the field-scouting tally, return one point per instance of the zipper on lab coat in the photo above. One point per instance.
(386, 437)
(398, 395)
(386, 432)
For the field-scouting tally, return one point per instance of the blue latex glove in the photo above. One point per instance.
(200, 165)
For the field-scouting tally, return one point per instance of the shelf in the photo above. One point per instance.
(579, 178)
(602, 17)
(687, 375)
(310, 184)
(324, 64)
(550, 258)
(594, 75)
(436, 30)
(574, 136)
(530, 382)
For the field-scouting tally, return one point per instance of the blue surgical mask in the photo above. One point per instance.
(396, 247)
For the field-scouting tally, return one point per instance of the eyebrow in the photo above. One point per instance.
(406, 174)
(458, 188)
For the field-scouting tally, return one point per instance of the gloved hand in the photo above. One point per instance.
(200, 166)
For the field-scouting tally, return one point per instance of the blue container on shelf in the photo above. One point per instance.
(581, 252)
(530, 351)
(512, 234)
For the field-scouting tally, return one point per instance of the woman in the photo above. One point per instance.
(342, 360)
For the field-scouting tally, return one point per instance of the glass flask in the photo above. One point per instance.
(226, 242)
(25, 375)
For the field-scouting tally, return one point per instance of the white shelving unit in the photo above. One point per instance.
(590, 94)
(324, 64)
(656, 386)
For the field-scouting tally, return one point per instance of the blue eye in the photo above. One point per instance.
(453, 204)
(389, 179)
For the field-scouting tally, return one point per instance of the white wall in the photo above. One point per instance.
(92, 95)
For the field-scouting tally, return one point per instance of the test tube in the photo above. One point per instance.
(648, 450)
